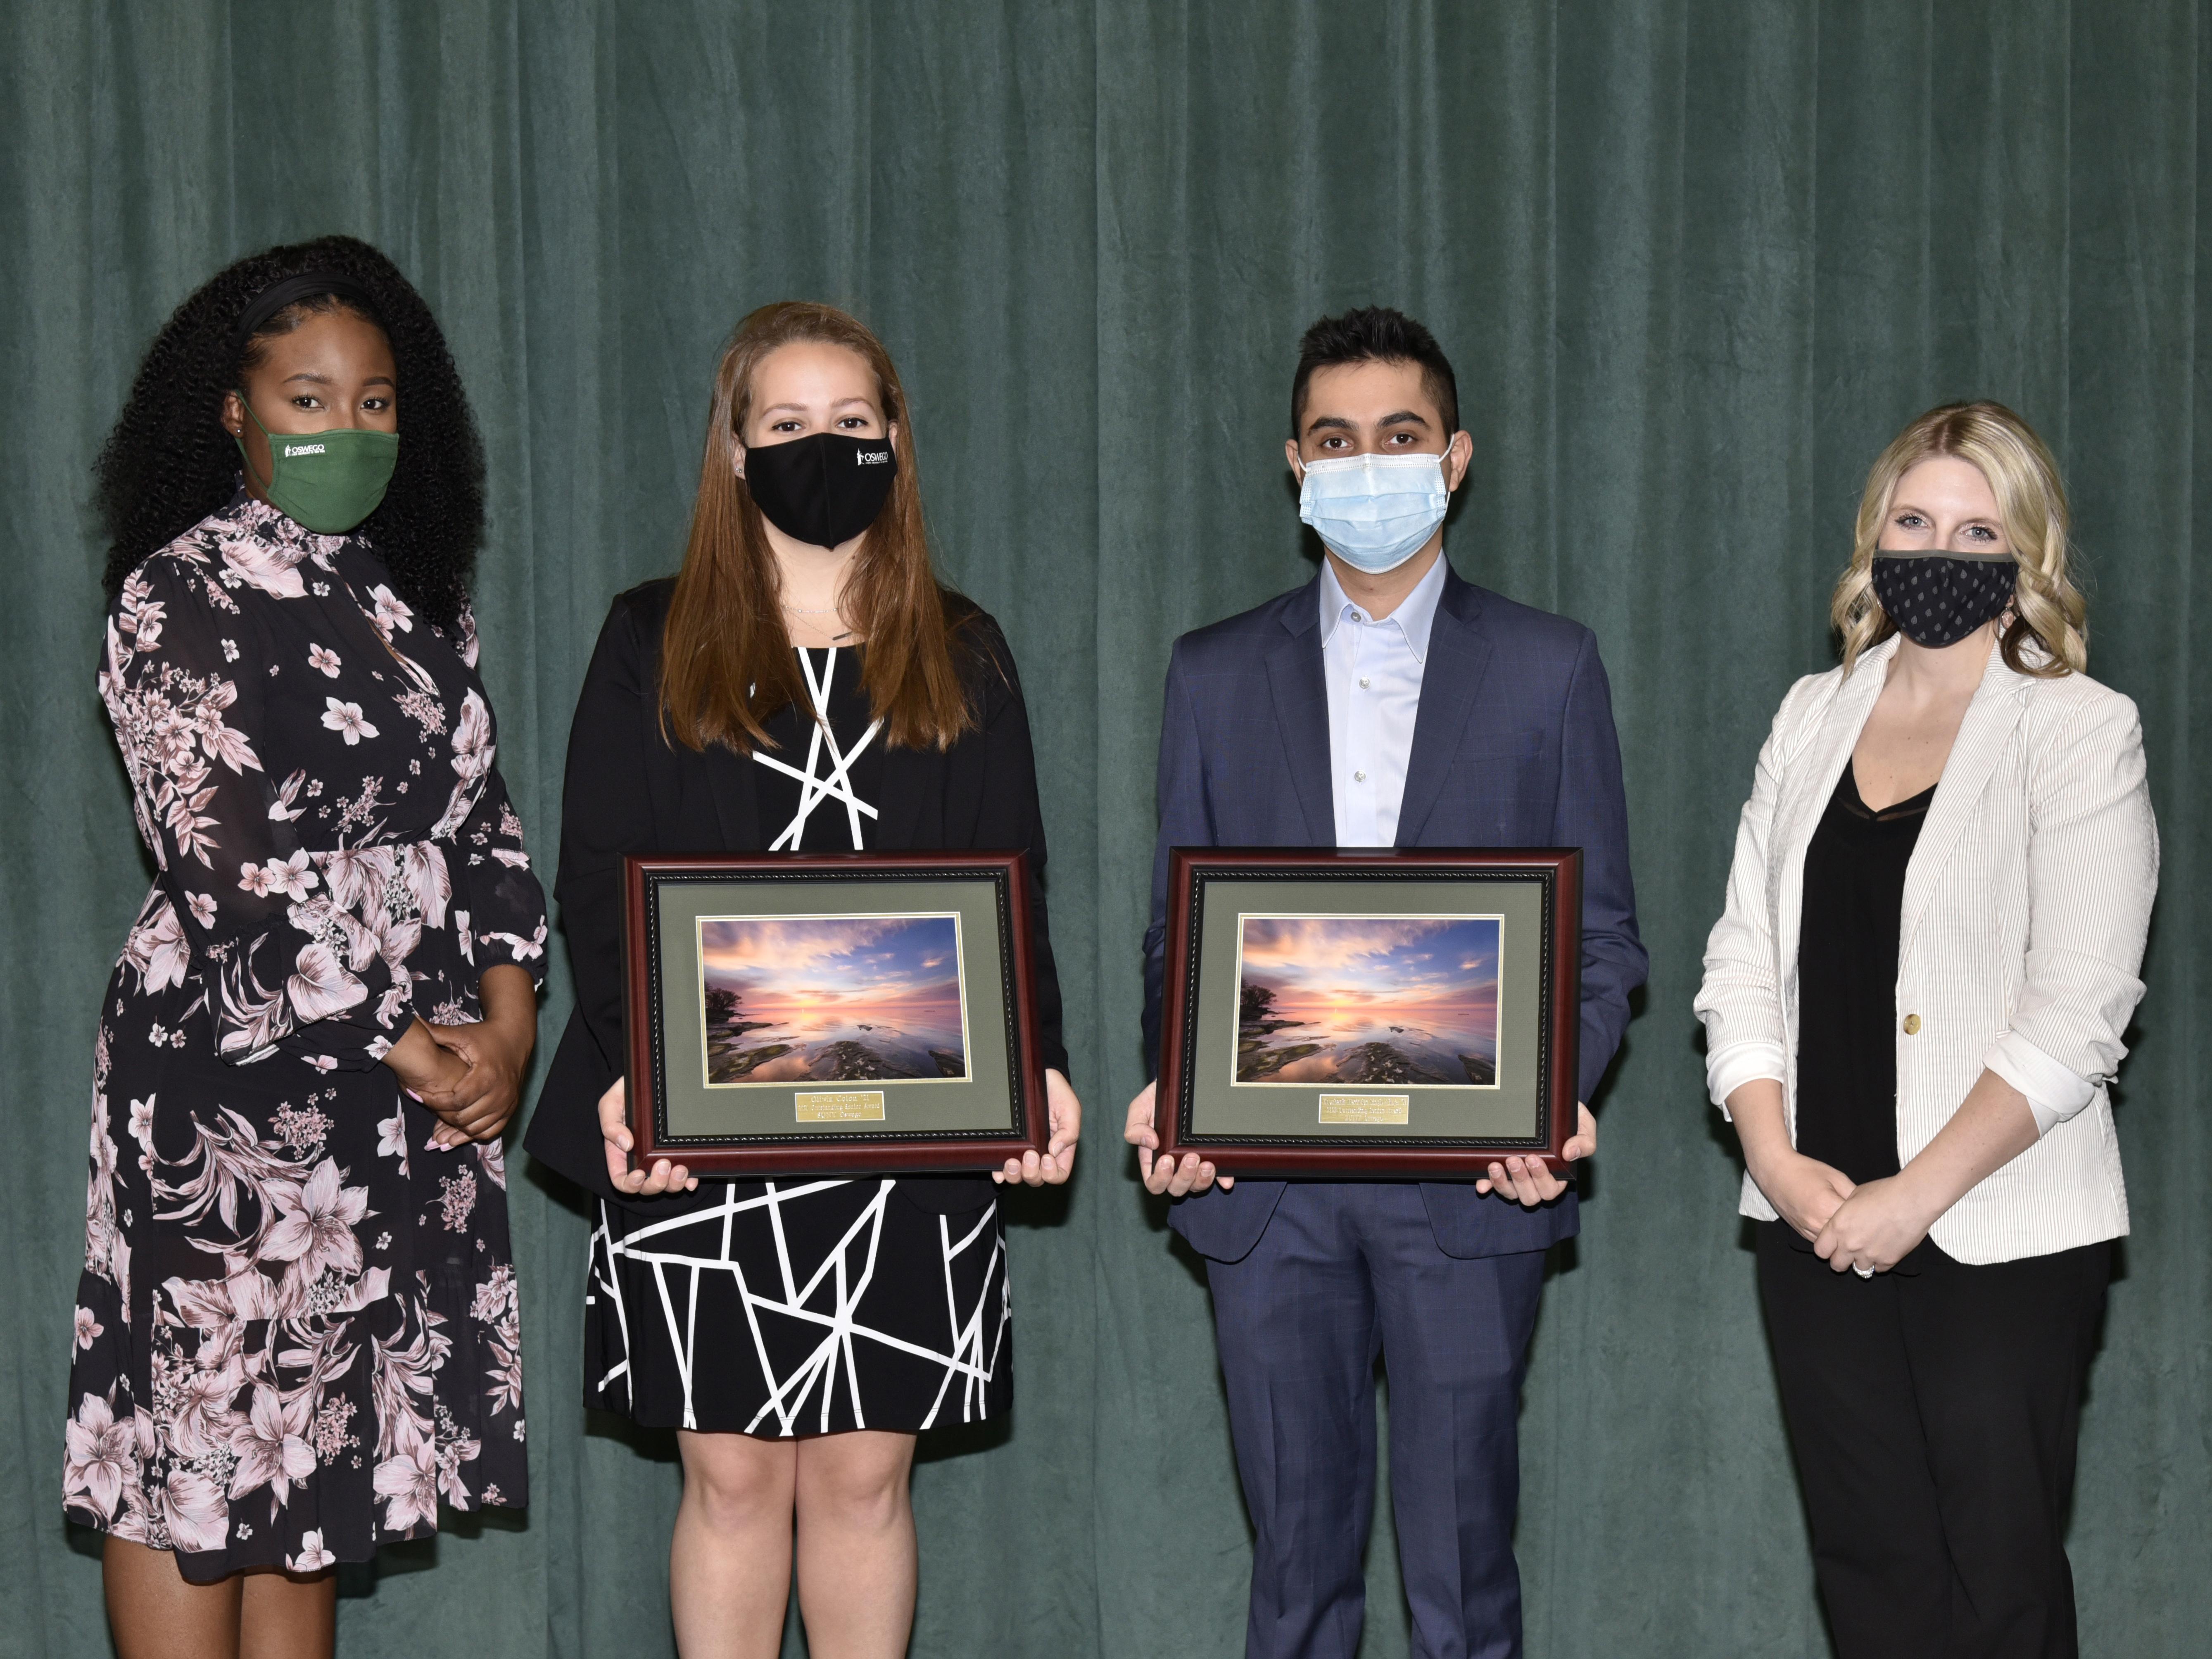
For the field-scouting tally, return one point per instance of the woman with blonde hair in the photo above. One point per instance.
(803, 684)
(1913, 1005)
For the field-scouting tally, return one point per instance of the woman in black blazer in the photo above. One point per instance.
(803, 684)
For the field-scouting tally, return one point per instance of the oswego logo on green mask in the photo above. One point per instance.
(326, 481)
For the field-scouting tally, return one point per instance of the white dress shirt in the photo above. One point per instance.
(1373, 670)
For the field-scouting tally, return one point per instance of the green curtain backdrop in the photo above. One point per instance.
(1696, 260)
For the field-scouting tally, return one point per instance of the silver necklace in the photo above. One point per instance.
(801, 611)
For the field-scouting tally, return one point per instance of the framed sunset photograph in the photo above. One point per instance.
(1390, 1013)
(831, 1013)
(831, 999)
(1367, 1000)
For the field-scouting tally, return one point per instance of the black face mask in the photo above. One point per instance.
(823, 489)
(1937, 600)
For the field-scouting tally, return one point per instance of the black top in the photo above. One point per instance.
(630, 790)
(1847, 945)
(801, 745)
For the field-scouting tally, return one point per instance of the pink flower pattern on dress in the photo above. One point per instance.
(408, 1482)
(312, 1557)
(271, 1446)
(157, 950)
(315, 1222)
(101, 1459)
(345, 719)
(294, 1397)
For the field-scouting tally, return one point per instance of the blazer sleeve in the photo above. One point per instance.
(1009, 815)
(1592, 814)
(1184, 821)
(2092, 874)
(605, 811)
(1740, 1000)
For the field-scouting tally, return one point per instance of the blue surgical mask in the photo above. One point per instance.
(1375, 511)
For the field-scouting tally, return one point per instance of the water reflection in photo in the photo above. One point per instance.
(1368, 999)
(829, 998)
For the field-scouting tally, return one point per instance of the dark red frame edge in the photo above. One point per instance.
(1361, 1161)
(865, 1157)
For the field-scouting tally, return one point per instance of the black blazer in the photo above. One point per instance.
(630, 790)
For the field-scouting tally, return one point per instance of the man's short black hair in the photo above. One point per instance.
(1370, 335)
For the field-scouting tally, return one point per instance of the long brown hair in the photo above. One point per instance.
(726, 658)
(2047, 632)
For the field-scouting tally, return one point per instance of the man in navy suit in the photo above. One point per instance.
(1386, 703)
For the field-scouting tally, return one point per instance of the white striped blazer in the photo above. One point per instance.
(2026, 901)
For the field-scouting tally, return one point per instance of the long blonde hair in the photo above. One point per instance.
(2047, 633)
(726, 658)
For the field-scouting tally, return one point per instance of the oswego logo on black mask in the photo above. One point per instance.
(823, 489)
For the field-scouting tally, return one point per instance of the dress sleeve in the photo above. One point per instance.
(186, 681)
(499, 906)
(1011, 817)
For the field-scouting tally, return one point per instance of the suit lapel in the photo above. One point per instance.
(1299, 695)
(1983, 734)
(1451, 681)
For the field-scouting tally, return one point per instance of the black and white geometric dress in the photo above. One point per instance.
(802, 1306)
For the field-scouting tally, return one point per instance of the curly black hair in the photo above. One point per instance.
(169, 462)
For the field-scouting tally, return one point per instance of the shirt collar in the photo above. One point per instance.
(1414, 617)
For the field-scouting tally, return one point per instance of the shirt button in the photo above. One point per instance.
(1359, 777)
(1363, 682)
(1912, 1025)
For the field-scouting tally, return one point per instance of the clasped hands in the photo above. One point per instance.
(1865, 1228)
(1051, 1170)
(1527, 1182)
(471, 1075)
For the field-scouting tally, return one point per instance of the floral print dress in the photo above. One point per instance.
(297, 1330)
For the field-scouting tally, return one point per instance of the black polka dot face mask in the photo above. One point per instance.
(1938, 599)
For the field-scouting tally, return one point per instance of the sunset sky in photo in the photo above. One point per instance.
(1374, 962)
(902, 962)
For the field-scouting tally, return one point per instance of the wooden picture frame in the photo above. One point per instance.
(1308, 1074)
(938, 1080)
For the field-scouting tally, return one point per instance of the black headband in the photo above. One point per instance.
(289, 291)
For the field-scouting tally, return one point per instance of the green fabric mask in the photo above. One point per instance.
(326, 481)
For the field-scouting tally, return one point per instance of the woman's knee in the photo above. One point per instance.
(855, 1480)
(736, 1482)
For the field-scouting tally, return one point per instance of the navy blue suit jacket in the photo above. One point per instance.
(1514, 746)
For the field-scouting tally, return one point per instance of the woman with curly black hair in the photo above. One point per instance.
(297, 1329)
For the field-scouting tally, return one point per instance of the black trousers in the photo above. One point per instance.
(1932, 1414)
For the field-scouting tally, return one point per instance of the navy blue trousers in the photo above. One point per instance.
(1346, 1271)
